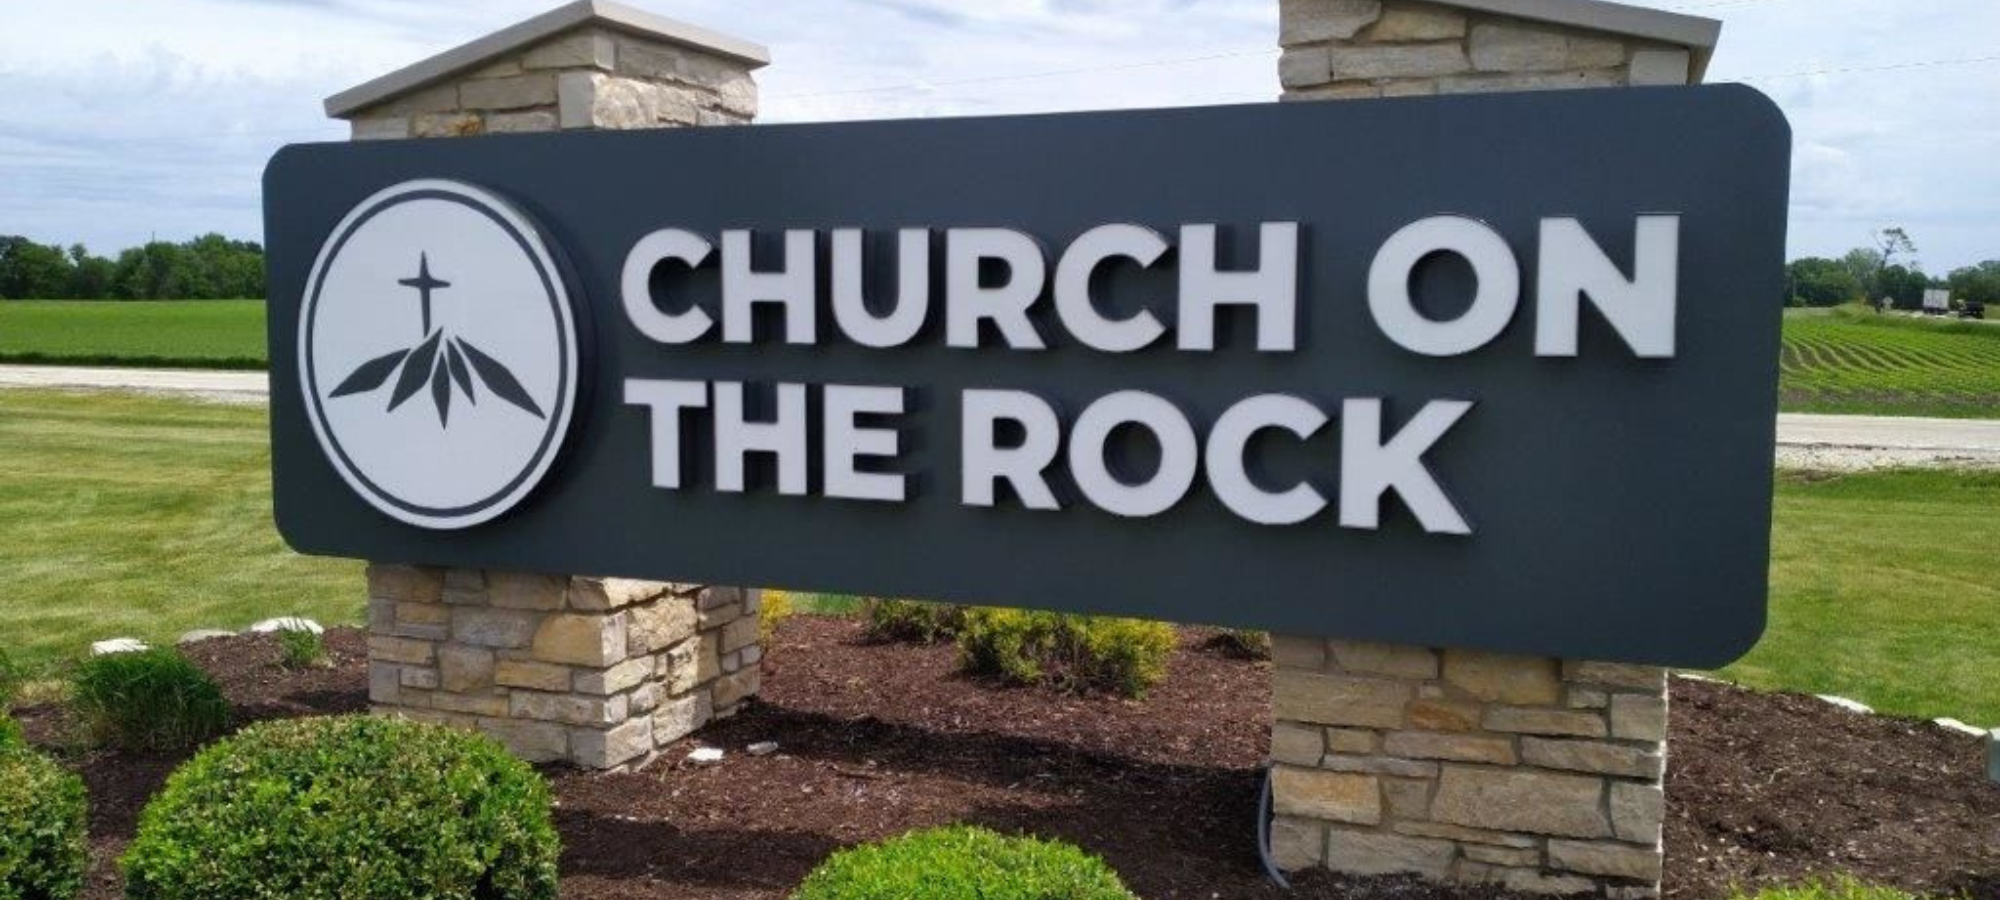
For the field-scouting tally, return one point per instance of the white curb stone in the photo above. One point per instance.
(1853, 706)
(1950, 724)
(117, 645)
(286, 623)
(705, 756)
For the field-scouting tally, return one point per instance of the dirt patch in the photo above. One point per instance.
(1766, 788)
(876, 739)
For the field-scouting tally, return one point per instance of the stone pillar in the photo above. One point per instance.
(597, 672)
(1538, 774)
(1350, 49)
(1542, 775)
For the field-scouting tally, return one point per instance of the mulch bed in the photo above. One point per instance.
(876, 739)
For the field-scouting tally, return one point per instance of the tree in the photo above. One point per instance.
(1903, 286)
(90, 276)
(1817, 281)
(1864, 265)
(29, 270)
(1978, 283)
(1892, 242)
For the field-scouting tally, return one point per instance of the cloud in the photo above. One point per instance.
(127, 119)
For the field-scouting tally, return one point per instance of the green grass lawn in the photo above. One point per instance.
(1885, 588)
(218, 334)
(125, 515)
(146, 516)
(1851, 360)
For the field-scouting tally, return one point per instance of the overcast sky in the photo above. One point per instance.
(122, 120)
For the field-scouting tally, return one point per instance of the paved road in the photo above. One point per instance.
(1842, 442)
(228, 387)
(1871, 442)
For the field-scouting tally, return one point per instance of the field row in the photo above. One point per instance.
(1867, 363)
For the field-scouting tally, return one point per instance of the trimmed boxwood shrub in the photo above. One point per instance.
(148, 700)
(913, 620)
(42, 847)
(963, 863)
(1077, 653)
(346, 807)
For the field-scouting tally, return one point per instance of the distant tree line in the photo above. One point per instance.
(210, 267)
(1877, 274)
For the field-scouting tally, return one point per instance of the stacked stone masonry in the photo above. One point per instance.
(1353, 49)
(598, 672)
(1537, 774)
(587, 78)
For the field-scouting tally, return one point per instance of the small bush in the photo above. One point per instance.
(1246, 642)
(1841, 888)
(913, 620)
(149, 700)
(773, 608)
(315, 809)
(11, 737)
(1126, 656)
(301, 649)
(963, 863)
(10, 681)
(42, 847)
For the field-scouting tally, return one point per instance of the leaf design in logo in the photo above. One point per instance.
(459, 372)
(441, 392)
(416, 371)
(370, 375)
(501, 382)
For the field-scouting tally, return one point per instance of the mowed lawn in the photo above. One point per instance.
(1886, 588)
(145, 516)
(216, 334)
(1854, 361)
(125, 515)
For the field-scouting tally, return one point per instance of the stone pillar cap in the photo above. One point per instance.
(604, 13)
(1697, 34)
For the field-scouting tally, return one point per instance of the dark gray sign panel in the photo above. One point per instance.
(1493, 372)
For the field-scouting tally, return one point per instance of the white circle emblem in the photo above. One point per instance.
(438, 353)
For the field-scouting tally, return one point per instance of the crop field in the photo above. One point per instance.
(214, 334)
(1854, 361)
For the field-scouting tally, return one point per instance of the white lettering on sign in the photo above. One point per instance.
(844, 440)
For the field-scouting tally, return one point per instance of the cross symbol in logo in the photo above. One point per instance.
(424, 284)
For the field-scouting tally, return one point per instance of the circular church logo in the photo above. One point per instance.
(438, 353)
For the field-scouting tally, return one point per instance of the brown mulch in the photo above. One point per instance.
(876, 739)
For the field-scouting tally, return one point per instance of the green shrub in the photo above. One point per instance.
(1840, 888)
(42, 847)
(913, 620)
(773, 607)
(10, 681)
(1077, 653)
(1246, 642)
(962, 863)
(148, 700)
(354, 806)
(11, 737)
(300, 649)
